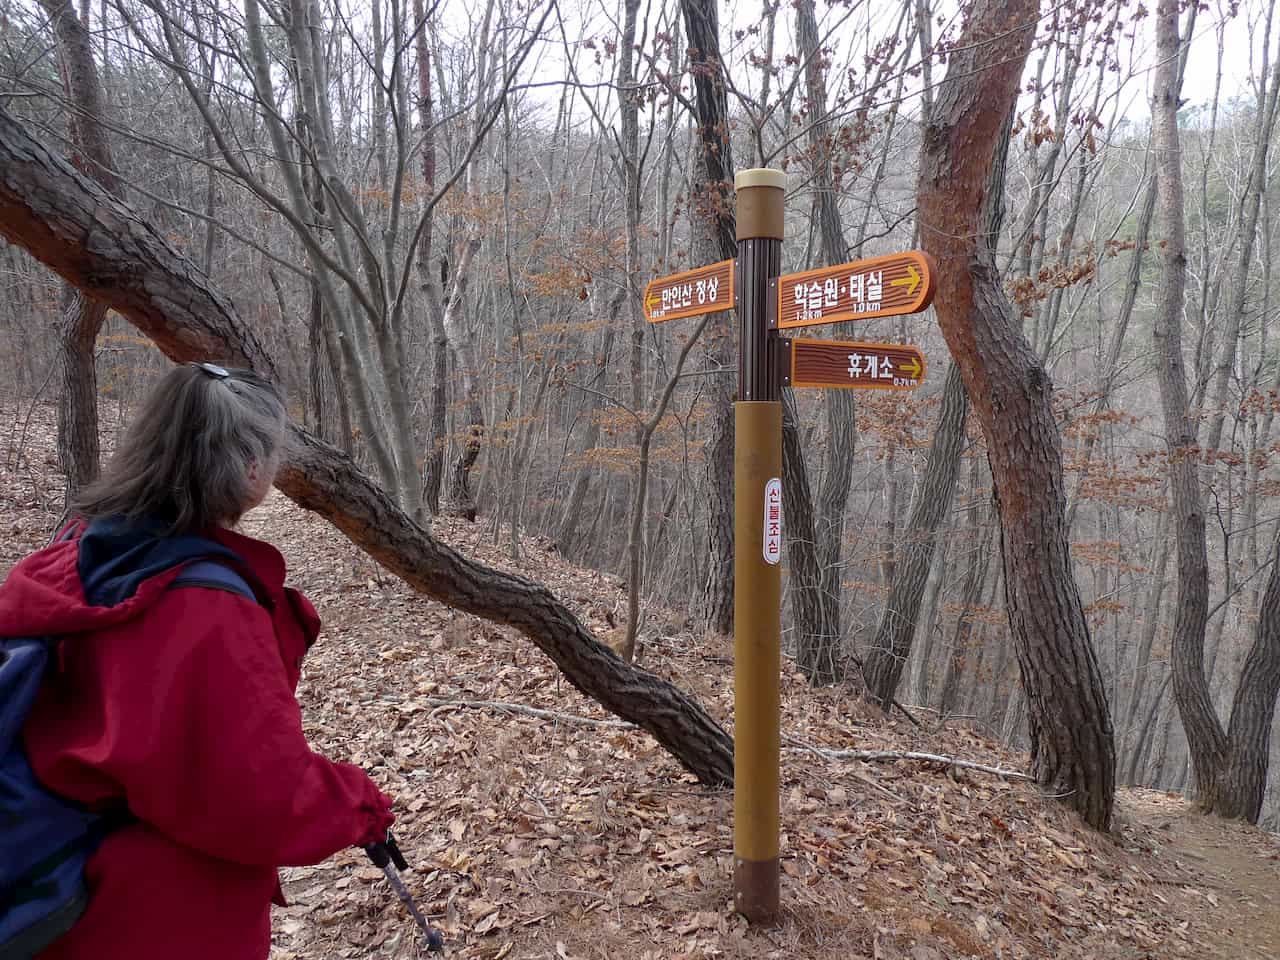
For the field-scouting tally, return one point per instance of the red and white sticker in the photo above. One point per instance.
(773, 521)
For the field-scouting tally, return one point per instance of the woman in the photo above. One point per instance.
(177, 700)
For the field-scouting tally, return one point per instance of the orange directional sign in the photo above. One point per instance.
(862, 290)
(866, 366)
(690, 294)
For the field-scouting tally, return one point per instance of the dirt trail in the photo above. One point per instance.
(1234, 867)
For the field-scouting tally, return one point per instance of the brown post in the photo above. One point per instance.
(757, 465)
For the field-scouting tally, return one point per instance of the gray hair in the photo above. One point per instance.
(185, 459)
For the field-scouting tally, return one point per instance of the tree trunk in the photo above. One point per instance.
(1243, 780)
(714, 239)
(103, 247)
(1072, 745)
(818, 648)
(430, 283)
(82, 317)
(1205, 737)
(566, 534)
(882, 668)
(970, 601)
(833, 487)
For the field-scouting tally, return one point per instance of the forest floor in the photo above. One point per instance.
(571, 836)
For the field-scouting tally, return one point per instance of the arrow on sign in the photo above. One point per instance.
(887, 286)
(910, 282)
(692, 293)
(912, 369)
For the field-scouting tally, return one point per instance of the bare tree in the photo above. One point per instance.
(82, 316)
(714, 240)
(1072, 748)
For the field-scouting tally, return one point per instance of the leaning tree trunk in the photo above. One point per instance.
(714, 239)
(1072, 745)
(82, 316)
(107, 250)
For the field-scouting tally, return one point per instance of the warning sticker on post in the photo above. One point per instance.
(773, 521)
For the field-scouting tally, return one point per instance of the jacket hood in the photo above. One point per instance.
(96, 576)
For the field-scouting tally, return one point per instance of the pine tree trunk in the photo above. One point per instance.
(1243, 780)
(1072, 745)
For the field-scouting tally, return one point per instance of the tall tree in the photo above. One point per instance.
(1072, 746)
(1228, 767)
(818, 644)
(82, 316)
(714, 239)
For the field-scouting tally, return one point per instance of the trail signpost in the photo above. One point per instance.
(767, 303)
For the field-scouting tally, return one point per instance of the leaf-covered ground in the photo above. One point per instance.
(569, 835)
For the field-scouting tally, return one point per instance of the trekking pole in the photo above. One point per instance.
(388, 857)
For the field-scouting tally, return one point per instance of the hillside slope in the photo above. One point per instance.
(567, 834)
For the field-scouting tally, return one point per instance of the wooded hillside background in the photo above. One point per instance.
(440, 219)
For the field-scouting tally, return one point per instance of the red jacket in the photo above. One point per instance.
(181, 702)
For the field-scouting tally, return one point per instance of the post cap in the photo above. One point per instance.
(759, 177)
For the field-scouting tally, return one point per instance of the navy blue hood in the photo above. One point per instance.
(116, 555)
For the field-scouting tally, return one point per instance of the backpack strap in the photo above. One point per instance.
(214, 575)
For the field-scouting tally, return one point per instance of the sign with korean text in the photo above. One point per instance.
(773, 521)
(690, 294)
(865, 366)
(862, 290)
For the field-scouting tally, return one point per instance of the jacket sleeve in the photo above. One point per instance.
(204, 734)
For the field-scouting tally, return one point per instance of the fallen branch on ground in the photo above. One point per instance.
(517, 708)
(795, 745)
(891, 755)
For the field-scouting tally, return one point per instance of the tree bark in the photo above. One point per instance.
(1244, 776)
(1205, 737)
(714, 239)
(978, 542)
(884, 663)
(1072, 745)
(82, 316)
(103, 247)
(567, 532)
(824, 636)
(815, 655)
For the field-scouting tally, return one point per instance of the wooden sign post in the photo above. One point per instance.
(766, 303)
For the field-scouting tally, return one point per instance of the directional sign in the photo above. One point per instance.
(866, 366)
(862, 290)
(690, 294)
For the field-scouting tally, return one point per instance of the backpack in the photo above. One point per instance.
(46, 840)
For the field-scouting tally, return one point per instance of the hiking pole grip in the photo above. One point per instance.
(397, 857)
